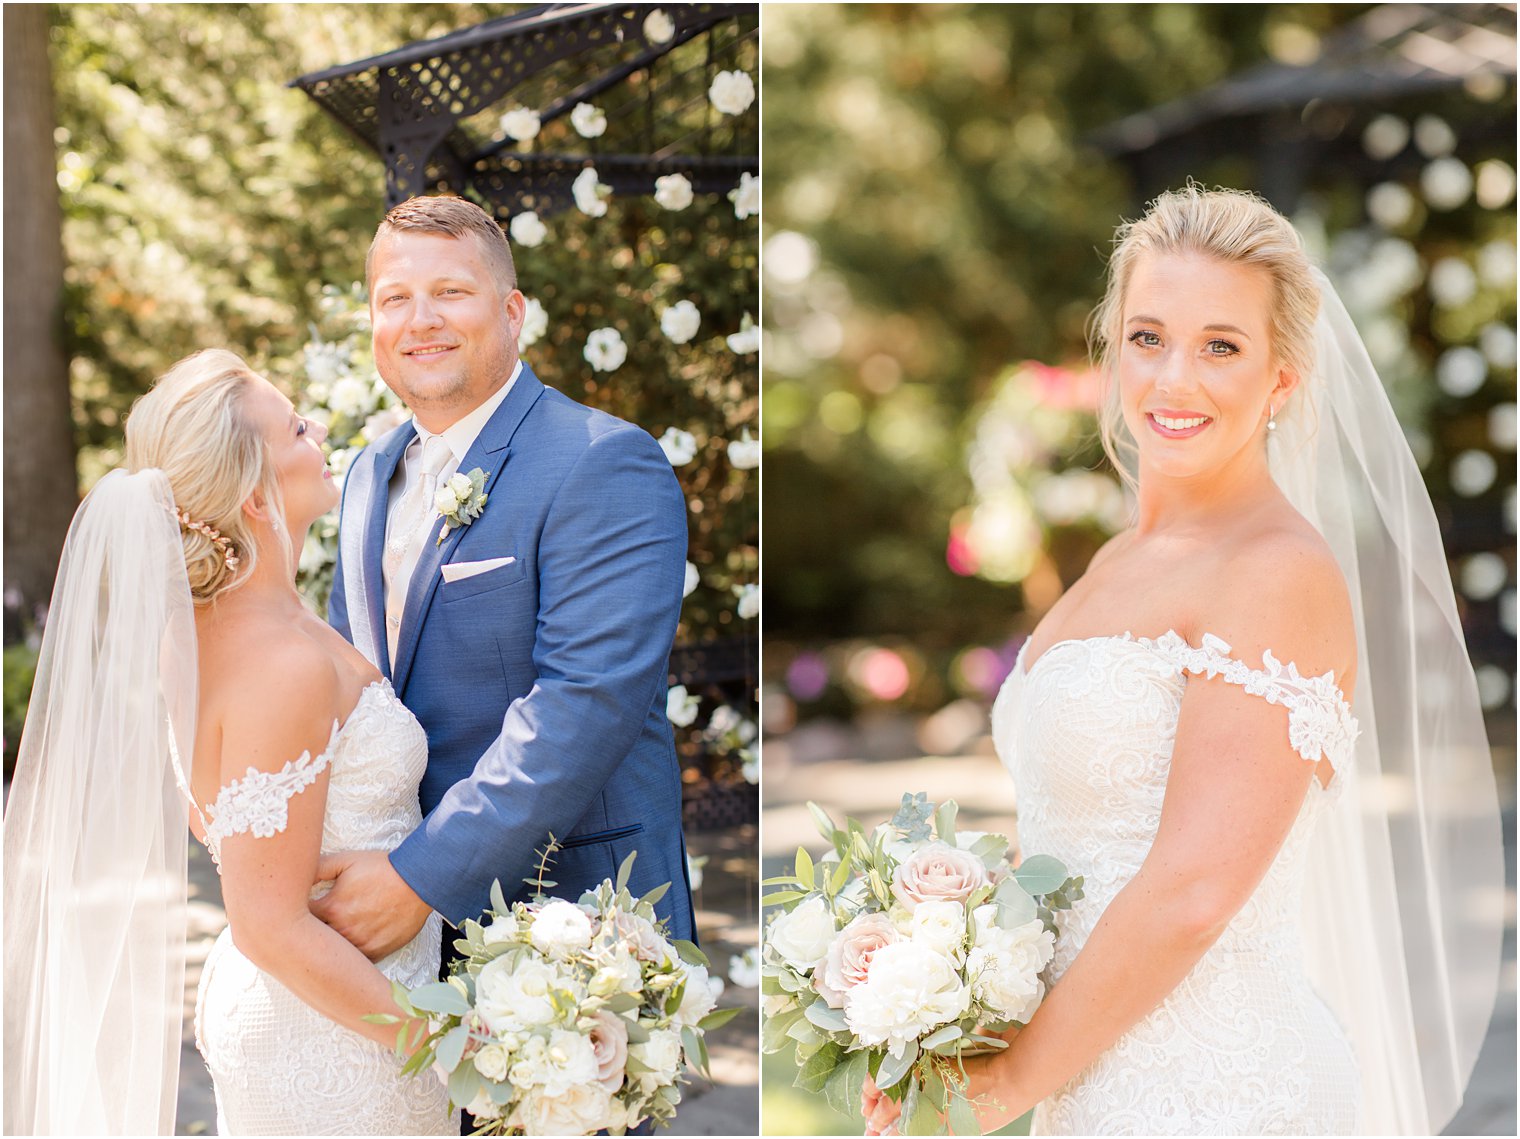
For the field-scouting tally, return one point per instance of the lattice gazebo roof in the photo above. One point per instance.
(432, 110)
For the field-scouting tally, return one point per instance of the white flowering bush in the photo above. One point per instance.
(902, 951)
(566, 1018)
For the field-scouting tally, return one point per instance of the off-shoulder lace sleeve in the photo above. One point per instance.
(1320, 723)
(259, 802)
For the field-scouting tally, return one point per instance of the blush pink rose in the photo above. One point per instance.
(609, 1040)
(938, 872)
(849, 958)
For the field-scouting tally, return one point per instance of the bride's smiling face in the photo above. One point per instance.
(1196, 369)
(295, 449)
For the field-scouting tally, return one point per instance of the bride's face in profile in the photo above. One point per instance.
(295, 447)
(1195, 366)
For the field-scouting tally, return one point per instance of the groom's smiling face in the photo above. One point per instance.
(445, 334)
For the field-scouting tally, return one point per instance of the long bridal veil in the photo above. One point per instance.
(95, 830)
(1403, 913)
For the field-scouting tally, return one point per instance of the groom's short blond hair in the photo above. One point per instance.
(451, 217)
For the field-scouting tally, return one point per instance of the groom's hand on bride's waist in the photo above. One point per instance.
(369, 904)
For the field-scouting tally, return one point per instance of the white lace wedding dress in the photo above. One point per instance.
(279, 1066)
(1244, 1045)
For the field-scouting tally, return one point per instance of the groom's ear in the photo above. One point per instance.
(516, 308)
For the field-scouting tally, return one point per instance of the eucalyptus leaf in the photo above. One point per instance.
(498, 899)
(464, 1084)
(451, 1047)
(689, 953)
(637, 1033)
(826, 1018)
(943, 1036)
(1014, 906)
(805, 1032)
(944, 821)
(913, 816)
(1040, 873)
(820, 1065)
(894, 1068)
(625, 869)
(718, 1018)
(656, 894)
(924, 1119)
(962, 1115)
(440, 996)
(990, 848)
(846, 1082)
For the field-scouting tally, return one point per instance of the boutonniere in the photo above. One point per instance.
(461, 500)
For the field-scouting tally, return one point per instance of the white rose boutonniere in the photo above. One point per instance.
(460, 500)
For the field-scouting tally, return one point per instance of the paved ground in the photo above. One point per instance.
(726, 925)
(803, 766)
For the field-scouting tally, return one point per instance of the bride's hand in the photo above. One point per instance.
(880, 1112)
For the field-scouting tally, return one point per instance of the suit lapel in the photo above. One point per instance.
(361, 534)
(490, 452)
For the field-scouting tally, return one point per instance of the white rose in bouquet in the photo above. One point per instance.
(560, 929)
(619, 974)
(510, 998)
(849, 956)
(909, 991)
(673, 191)
(936, 872)
(940, 925)
(731, 92)
(697, 999)
(802, 937)
(579, 1111)
(1004, 965)
(661, 1054)
(492, 1062)
(502, 928)
(483, 1106)
(568, 1060)
(647, 942)
(609, 1041)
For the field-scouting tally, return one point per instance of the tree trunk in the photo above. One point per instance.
(41, 486)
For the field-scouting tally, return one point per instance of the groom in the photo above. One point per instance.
(532, 642)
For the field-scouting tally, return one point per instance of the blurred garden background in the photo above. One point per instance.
(168, 188)
(942, 184)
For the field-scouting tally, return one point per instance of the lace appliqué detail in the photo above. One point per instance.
(1320, 723)
(259, 803)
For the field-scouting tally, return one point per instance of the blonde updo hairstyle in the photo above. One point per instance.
(193, 426)
(1232, 226)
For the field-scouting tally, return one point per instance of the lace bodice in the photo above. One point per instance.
(1243, 1045)
(280, 1067)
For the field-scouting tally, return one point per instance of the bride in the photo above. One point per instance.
(1253, 727)
(176, 631)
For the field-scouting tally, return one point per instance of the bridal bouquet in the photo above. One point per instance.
(567, 1018)
(901, 952)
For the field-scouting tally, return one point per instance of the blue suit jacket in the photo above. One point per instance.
(541, 684)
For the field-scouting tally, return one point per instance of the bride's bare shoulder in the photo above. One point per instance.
(257, 667)
(1279, 587)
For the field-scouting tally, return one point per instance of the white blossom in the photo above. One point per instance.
(510, 999)
(680, 447)
(749, 601)
(659, 28)
(560, 929)
(750, 767)
(325, 361)
(520, 123)
(589, 121)
(446, 501)
(745, 971)
(693, 579)
(744, 452)
(802, 937)
(745, 196)
(461, 485)
(731, 92)
(747, 339)
(535, 323)
(605, 350)
(661, 1053)
(680, 706)
(352, 397)
(673, 191)
(680, 322)
(385, 420)
(590, 195)
(527, 230)
(1004, 965)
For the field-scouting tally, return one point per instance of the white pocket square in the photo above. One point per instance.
(458, 571)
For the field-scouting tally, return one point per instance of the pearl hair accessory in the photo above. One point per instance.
(229, 555)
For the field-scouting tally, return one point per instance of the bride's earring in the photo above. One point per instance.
(1271, 418)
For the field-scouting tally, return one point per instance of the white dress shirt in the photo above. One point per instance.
(460, 437)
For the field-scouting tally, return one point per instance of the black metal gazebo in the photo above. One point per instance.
(431, 109)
